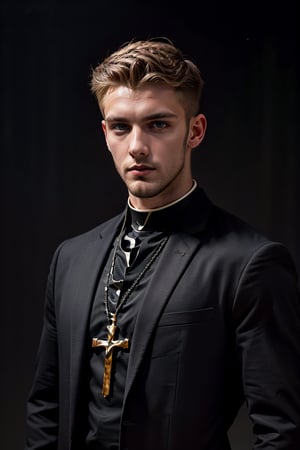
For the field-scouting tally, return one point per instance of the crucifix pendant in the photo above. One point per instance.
(109, 345)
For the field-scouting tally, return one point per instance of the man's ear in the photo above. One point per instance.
(103, 125)
(198, 126)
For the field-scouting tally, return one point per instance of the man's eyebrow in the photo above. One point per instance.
(161, 115)
(115, 119)
(154, 116)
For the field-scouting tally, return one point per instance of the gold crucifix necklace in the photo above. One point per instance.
(112, 343)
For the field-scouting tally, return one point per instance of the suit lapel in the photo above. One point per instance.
(174, 260)
(85, 279)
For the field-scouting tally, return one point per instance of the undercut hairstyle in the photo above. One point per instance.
(149, 62)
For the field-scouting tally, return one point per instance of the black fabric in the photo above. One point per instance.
(104, 427)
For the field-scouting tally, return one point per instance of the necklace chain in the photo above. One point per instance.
(128, 292)
(141, 227)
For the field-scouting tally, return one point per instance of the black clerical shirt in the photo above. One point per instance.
(105, 412)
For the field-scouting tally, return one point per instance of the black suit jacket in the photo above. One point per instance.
(219, 324)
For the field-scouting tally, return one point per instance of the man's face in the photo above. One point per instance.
(150, 141)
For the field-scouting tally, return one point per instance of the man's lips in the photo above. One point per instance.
(140, 169)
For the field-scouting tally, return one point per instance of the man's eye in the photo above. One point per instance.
(159, 124)
(119, 127)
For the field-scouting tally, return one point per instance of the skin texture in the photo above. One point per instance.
(151, 140)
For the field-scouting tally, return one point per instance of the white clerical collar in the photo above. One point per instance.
(165, 206)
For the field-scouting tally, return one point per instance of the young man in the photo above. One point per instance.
(162, 321)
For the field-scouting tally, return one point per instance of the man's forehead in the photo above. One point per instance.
(153, 101)
(159, 115)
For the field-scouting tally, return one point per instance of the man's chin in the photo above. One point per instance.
(143, 191)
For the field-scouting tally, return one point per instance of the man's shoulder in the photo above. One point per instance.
(236, 238)
(235, 233)
(228, 222)
(82, 240)
(223, 225)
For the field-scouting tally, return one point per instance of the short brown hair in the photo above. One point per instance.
(153, 61)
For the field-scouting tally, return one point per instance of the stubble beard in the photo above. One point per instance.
(142, 188)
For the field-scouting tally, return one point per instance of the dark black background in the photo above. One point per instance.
(57, 178)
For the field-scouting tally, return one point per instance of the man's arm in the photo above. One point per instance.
(266, 313)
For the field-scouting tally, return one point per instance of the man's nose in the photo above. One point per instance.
(138, 145)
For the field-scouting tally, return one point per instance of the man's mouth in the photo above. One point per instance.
(140, 169)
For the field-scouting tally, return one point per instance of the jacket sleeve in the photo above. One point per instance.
(42, 405)
(266, 313)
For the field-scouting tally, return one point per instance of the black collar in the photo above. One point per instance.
(188, 215)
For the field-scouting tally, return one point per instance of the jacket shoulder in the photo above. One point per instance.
(238, 240)
(77, 244)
